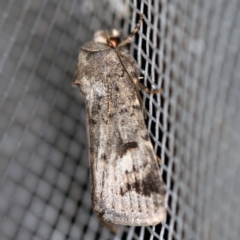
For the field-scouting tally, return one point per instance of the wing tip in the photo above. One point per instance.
(135, 218)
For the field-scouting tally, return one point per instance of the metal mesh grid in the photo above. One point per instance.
(190, 48)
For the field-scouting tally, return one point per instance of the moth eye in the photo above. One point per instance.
(114, 41)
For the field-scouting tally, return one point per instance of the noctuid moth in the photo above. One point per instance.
(126, 184)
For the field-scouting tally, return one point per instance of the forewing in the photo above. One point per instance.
(127, 187)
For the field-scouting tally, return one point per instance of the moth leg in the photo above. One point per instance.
(147, 90)
(159, 159)
(135, 30)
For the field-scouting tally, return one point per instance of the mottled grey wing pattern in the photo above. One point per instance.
(127, 187)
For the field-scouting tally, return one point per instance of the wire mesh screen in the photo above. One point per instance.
(190, 49)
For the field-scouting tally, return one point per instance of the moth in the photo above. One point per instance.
(126, 184)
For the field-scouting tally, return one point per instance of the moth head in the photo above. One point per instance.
(106, 37)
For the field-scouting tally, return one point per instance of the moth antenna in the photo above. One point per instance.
(129, 77)
(135, 30)
(137, 86)
(159, 159)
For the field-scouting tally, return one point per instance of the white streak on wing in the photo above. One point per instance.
(134, 201)
(98, 90)
(129, 199)
(101, 165)
(116, 190)
(108, 189)
(102, 132)
(125, 163)
(89, 99)
(151, 205)
(126, 203)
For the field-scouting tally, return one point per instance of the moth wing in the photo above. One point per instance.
(130, 190)
(127, 186)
